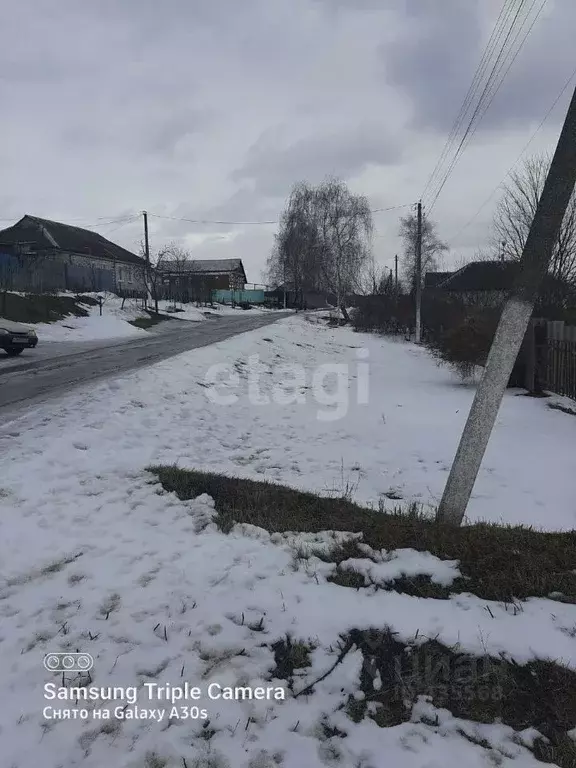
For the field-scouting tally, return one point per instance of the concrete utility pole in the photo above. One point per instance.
(147, 252)
(516, 314)
(419, 275)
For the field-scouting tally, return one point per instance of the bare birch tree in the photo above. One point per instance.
(432, 247)
(515, 212)
(323, 243)
(345, 227)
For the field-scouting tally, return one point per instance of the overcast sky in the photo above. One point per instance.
(212, 109)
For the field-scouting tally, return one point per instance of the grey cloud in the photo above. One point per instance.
(435, 59)
(245, 204)
(344, 153)
(112, 106)
(135, 131)
(169, 129)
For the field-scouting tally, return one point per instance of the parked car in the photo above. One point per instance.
(15, 337)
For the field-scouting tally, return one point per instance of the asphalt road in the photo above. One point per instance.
(54, 368)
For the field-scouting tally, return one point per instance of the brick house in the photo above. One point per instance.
(63, 257)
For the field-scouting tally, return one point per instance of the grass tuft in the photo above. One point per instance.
(540, 694)
(40, 308)
(501, 563)
(148, 322)
(290, 655)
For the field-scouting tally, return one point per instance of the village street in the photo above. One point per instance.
(55, 367)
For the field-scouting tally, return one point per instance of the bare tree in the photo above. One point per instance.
(345, 228)
(174, 263)
(515, 212)
(323, 243)
(432, 247)
(377, 280)
(295, 258)
(167, 263)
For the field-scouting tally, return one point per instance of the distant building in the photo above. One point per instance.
(58, 256)
(489, 283)
(486, 280)
(194, 280)
(434, 279)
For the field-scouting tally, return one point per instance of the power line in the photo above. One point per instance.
(127, 219)
(498, 86)
(123, 224)
(207, 221)
(391, 208)
(122, 220)
(498, 64)
(531, 27)
(99, 221)
(246, 223)
(478, 75)
(487, 85)
(528, 143)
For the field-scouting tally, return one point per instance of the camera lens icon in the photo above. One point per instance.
(68, 662)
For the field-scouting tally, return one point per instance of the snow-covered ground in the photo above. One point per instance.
(96, 557)
(114, 323)
(400, 443)
(197, 314)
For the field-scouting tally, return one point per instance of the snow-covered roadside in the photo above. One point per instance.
(96, 557)
(396, 449)
(115, 321)
(198, 314)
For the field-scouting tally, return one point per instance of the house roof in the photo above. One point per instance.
(432, 279)
(44, 234)
(482, 276)
(206, 266)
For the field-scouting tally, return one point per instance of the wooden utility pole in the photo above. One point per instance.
(534, 264)
(419, 275)
(396, 272)
(147, 253)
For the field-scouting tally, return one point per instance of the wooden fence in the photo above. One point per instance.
(549, 353)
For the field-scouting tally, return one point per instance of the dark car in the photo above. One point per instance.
(15, 337)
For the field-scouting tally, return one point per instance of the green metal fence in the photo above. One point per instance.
(238, 297)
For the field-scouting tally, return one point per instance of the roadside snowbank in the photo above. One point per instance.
(114, 322)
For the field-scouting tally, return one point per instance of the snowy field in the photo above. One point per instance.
(96, 557)
(114, 323)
